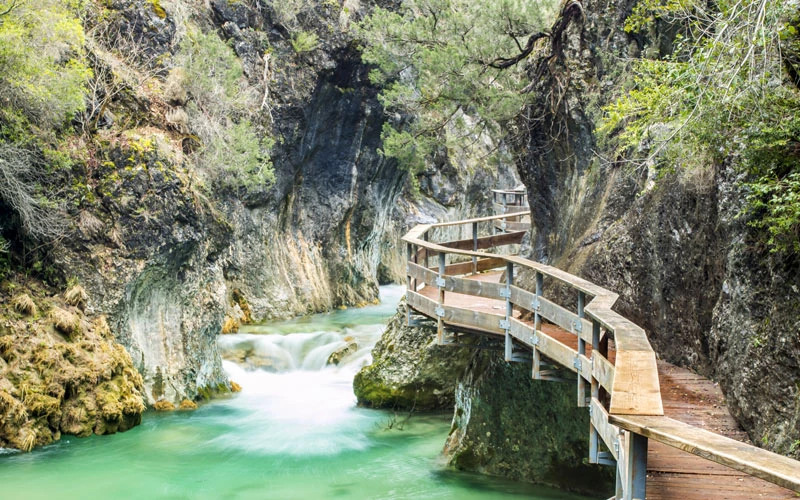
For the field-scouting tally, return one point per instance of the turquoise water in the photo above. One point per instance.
(293, 432)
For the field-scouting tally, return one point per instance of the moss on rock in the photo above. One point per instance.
(81, 383)
(409, 370)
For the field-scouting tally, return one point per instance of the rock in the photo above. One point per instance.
(507, 424)
(673, 242)
(235, 387)
(187, 405)
(51, 386)
(409, 371)
(339, 354)
(163, 405)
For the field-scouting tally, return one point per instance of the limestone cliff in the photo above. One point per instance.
(174, 253)
(675, 244)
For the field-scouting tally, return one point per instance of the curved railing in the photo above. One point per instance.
(622, 394)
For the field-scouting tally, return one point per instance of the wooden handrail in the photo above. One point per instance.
(635, 411)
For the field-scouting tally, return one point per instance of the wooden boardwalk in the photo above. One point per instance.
(690, 398)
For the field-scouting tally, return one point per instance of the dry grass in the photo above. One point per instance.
(77, 296)
(188, 405)
(163, 405)
(66, 322)
(235, 387)
(28, 439)
(24, 304)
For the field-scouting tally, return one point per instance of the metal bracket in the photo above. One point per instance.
(505, 324)
(440, 282)
(605, 458)
(440, 312)
(535, 340)
(577, 326)
(536, 305)
(577, 363)
(505, 293)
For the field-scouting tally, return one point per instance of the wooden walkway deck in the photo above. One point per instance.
(672, 474)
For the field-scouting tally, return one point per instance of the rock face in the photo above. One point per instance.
(674, 245)
(170, 261)
(409, 370)
(509, 425)
(61, 372)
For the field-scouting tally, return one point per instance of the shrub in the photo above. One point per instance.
(304, 41)
(233, 154)
(42, 68)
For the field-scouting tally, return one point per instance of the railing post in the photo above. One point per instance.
(537, 325)
(408, 283)
(594, 441)
(636, 477)
(425, 237)
(440, 309)
(474, 247)
(509, 311)
(581, 350)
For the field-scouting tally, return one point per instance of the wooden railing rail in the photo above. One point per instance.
(623, 397)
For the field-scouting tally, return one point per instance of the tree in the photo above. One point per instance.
(441, 62)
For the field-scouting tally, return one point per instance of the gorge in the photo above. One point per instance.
(179, 181)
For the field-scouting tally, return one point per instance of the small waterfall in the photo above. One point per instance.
(292, 401)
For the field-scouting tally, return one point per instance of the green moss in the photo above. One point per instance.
(157, 8)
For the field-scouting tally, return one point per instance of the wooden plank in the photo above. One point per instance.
(421, 273)
(486, 289)
(607, 432)
(757, 462)
(421, 303)
(636, 390)
(475, 320)
(510, 209)
(552, 312)
(556, 351)
(603, 371)
(522, 332)
(483, 265)
(484, 242)
(462, 222)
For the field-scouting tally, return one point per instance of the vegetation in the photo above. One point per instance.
(232, 152)
(445, 62)
(729, 89)
(42, 67)
(304, 41)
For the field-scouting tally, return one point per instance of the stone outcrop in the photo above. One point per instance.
(409, 371)
(61, 372)
(507, 424)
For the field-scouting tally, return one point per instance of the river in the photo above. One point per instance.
(294, 432)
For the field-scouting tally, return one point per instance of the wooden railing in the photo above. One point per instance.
(623, 397)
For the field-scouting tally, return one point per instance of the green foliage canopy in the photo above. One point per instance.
(723, 92)
(439, 60)
(42, 68)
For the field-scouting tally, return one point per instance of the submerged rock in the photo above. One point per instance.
(336, 357)
(507, 424)
(409, 370)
